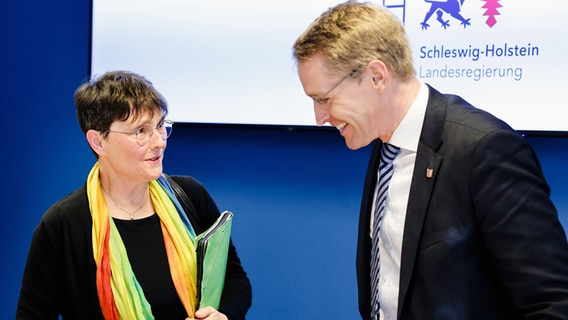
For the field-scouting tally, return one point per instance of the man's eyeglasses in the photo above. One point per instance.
(144, 133)
(325, 97)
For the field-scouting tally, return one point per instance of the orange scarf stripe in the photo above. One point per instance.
(181, 256)
(104, 282)
(181, 281)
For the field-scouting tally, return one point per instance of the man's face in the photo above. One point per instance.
(347, 102)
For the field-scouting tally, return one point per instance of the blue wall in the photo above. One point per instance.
(295, 193)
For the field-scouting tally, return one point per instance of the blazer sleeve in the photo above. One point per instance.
(520, 226)
(237, 292)
(60, 272)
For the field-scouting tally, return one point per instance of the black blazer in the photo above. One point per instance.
(482, 239)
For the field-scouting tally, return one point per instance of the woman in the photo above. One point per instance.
(118, 247)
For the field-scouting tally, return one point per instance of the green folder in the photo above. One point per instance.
(212, 253)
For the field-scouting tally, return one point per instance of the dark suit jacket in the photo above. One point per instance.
(482, 239)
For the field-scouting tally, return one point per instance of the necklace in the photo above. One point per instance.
(119, 207)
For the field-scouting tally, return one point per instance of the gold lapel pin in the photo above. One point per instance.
(429, 173)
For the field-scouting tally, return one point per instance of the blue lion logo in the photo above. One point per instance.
(453, 7)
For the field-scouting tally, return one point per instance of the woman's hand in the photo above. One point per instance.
(208, 313)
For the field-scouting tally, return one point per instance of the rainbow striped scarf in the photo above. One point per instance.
(120, 294)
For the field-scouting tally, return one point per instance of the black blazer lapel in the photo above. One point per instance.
(364, 239)
(427, 165)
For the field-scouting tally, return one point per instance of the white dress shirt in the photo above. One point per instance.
(406, 137)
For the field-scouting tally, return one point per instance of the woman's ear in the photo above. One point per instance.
(95, 140)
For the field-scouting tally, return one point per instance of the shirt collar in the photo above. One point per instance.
(407, 134)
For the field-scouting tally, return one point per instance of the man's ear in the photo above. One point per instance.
(379, 73)
(95, 140)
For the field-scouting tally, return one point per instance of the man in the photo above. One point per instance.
(467, 230)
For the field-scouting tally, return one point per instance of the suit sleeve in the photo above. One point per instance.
(519, 225)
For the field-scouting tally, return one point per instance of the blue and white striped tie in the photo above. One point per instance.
(388, 153)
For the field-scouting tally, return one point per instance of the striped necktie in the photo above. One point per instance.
(388, 153)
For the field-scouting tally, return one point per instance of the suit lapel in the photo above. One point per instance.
(370, 183)
(427, 166)
(364, 240)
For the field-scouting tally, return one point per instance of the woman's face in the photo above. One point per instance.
(128, 157)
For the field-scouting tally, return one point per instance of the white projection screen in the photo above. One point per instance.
(229, 62)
